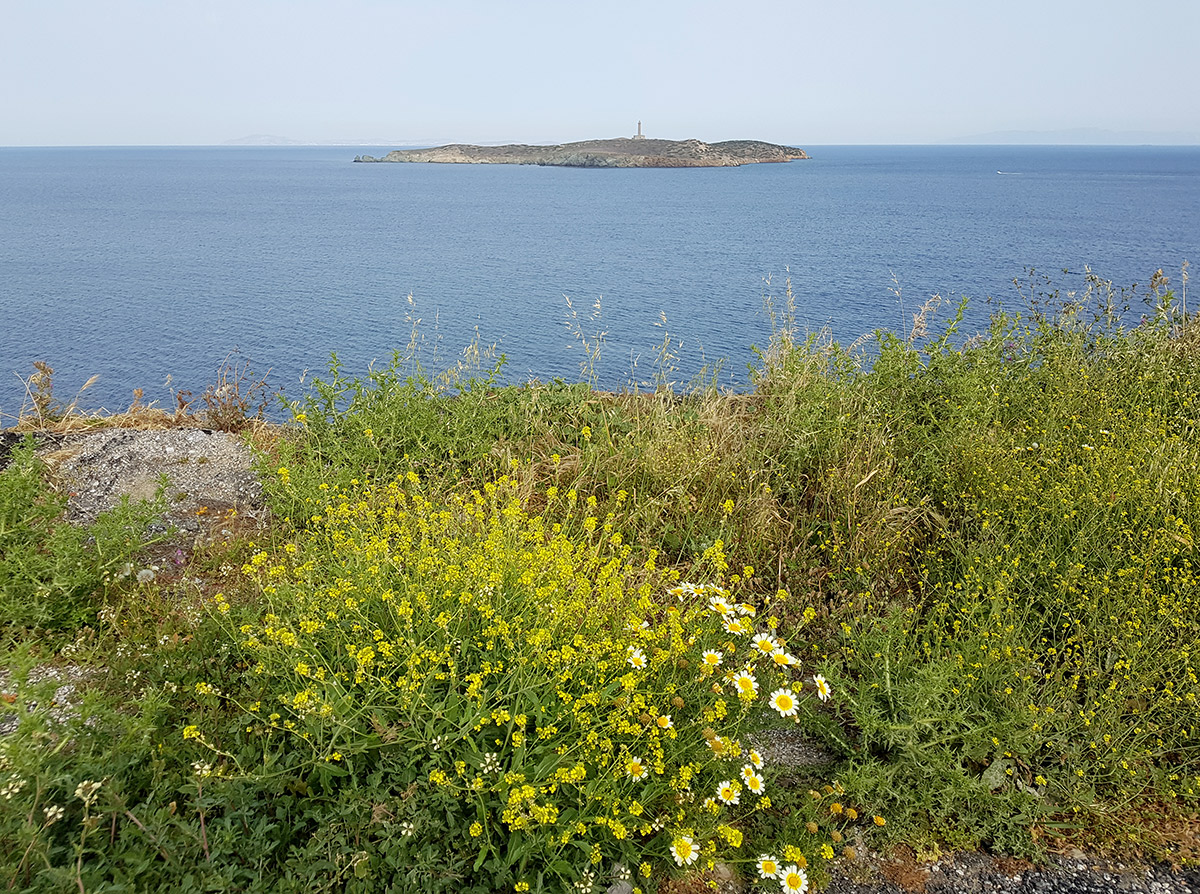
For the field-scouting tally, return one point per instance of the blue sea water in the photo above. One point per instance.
(137, 264)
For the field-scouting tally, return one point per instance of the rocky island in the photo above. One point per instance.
(623, 152)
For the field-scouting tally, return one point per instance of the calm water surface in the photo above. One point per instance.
(136, 264)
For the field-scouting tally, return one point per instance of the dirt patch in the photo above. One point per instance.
(207, 474)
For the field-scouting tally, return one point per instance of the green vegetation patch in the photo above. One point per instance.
(525, 637)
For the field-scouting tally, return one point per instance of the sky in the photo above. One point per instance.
(181, 72)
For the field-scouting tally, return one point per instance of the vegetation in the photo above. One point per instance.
(527, 637)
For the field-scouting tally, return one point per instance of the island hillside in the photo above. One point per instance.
(618, 153)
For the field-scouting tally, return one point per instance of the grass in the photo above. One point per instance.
(470, 651)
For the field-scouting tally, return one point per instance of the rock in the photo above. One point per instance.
(208, 473)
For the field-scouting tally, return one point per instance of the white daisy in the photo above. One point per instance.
(784, 701)
(728, 792)
(794, 880)
(747, 685)
(636, 769)
(765, 644)
(783, 659)
(684, 851)
(721, 606)
(637, 658)
(754, 783)
(824, 690)
(734, 625)
(768, 867)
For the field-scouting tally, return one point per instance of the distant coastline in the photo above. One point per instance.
(624, 152)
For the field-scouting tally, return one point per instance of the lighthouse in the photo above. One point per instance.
(639, 135)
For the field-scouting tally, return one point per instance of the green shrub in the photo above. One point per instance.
(54, 574)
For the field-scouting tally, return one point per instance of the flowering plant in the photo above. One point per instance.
(520, 702)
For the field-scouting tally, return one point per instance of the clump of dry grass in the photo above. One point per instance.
(236, 401)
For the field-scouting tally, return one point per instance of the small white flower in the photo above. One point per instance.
(202, 768)
(721, 606)
(755, 758)
(12, 787)
(728, 792)
(735, 626)
(765, 644)
(783, 659)
(491, 763)
(824, 690)
(684, 851)
(754, 783)
(86, 791)
(407, 829)
(794, 880)
(637, 658)
(784, 701)
(53, 814)
(712, 658)
(768, 867)
(747, 685)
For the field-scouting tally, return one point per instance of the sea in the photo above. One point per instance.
(151, 268)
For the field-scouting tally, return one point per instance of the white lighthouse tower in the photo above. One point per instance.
(639, 135)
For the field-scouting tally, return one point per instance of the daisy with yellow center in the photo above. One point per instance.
(729, 792)
(783, 659)
(636, 768)
(720, 605)
(712, 658)
(754, 783)
(765, 644)
(824, 690)
(794, 880)
(755, 758)
(784, 701)
(681, 591)
(734, 625)
(768, 867)
(684, 850)
(637, 658)
(747, 686)
(664, 721)
(746, 610)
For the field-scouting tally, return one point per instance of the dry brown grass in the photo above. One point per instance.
(235, 402)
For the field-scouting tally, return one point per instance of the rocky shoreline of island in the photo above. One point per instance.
(625, 152)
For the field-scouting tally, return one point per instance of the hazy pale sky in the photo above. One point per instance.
(196, 72)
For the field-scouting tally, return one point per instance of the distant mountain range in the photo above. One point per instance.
(266, 139)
